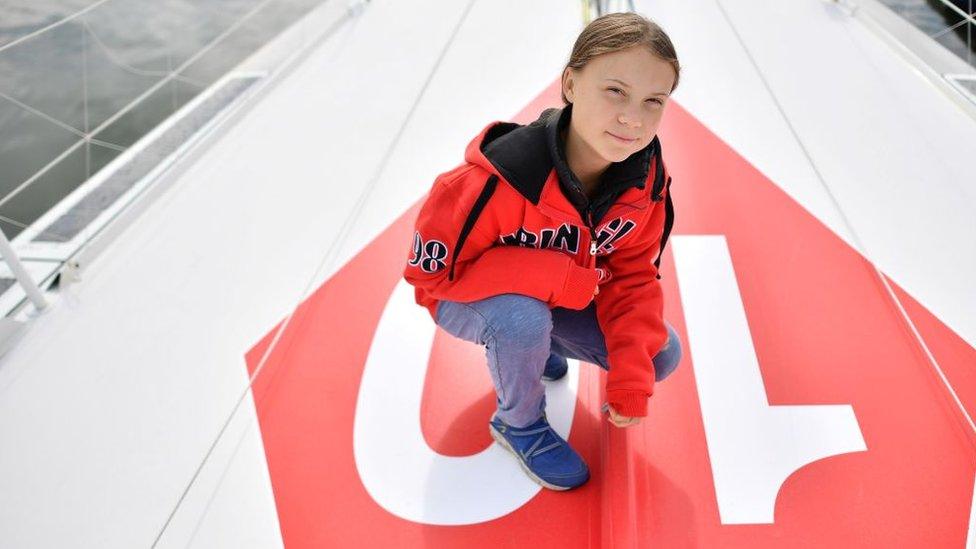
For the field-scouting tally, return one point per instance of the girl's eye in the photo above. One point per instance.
(620, 92)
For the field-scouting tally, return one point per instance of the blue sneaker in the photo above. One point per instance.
(544, 456)
(556, 367)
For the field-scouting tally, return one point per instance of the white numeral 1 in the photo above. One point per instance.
(753, 446)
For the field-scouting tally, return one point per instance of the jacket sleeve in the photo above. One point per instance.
(484, 266)
(630, 307)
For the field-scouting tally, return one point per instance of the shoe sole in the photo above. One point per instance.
(547, 378)
(501, 440)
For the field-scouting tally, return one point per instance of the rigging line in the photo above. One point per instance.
(84, 100)
(45, 116)
(52, 25)
(931, 357)
(64, 154)
(25, 226)
(47, 167)
(129, 106)
(861, 249)
(952, 28)
(106, 144)
(958, 10)
(86, 137)
(162, 81)
(63, 125)
(347, 224)
(114, 58)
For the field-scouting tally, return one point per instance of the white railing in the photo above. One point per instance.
(75, 41)
(87, 135)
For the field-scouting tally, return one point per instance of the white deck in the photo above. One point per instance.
(112, 400)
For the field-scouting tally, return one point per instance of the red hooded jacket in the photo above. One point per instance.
(512, 218)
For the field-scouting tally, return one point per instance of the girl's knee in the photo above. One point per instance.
(520, 319)
(668, 357)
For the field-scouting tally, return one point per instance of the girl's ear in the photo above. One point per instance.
(568, 83)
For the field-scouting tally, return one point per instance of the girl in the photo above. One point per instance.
(541, 245)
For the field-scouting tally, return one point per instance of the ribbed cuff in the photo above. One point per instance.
(628, 403)
(580, 285)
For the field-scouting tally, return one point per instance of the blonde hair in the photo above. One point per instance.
(617, 31)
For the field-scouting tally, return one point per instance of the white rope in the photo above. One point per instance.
(80, 133)
(966, 16)
(84, 102)
(114, 58)
(179, 69)
(87, 137)
(329, 257)
(50, 165)
(25, 226)
(952, 28)
(52, 25)
(271, 347)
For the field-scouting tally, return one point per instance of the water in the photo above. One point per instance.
(74, 79)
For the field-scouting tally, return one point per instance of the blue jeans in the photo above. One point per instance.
(519, 332)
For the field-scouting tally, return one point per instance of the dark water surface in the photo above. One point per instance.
(81, 74)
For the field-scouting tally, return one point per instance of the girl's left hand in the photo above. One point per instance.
(621, 421)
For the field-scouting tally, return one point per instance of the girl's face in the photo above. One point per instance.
(618, 99)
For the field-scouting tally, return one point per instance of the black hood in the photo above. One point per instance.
(525, 155)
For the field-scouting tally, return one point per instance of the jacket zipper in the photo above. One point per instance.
(589, 225)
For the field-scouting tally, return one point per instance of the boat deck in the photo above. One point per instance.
(820, 275)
